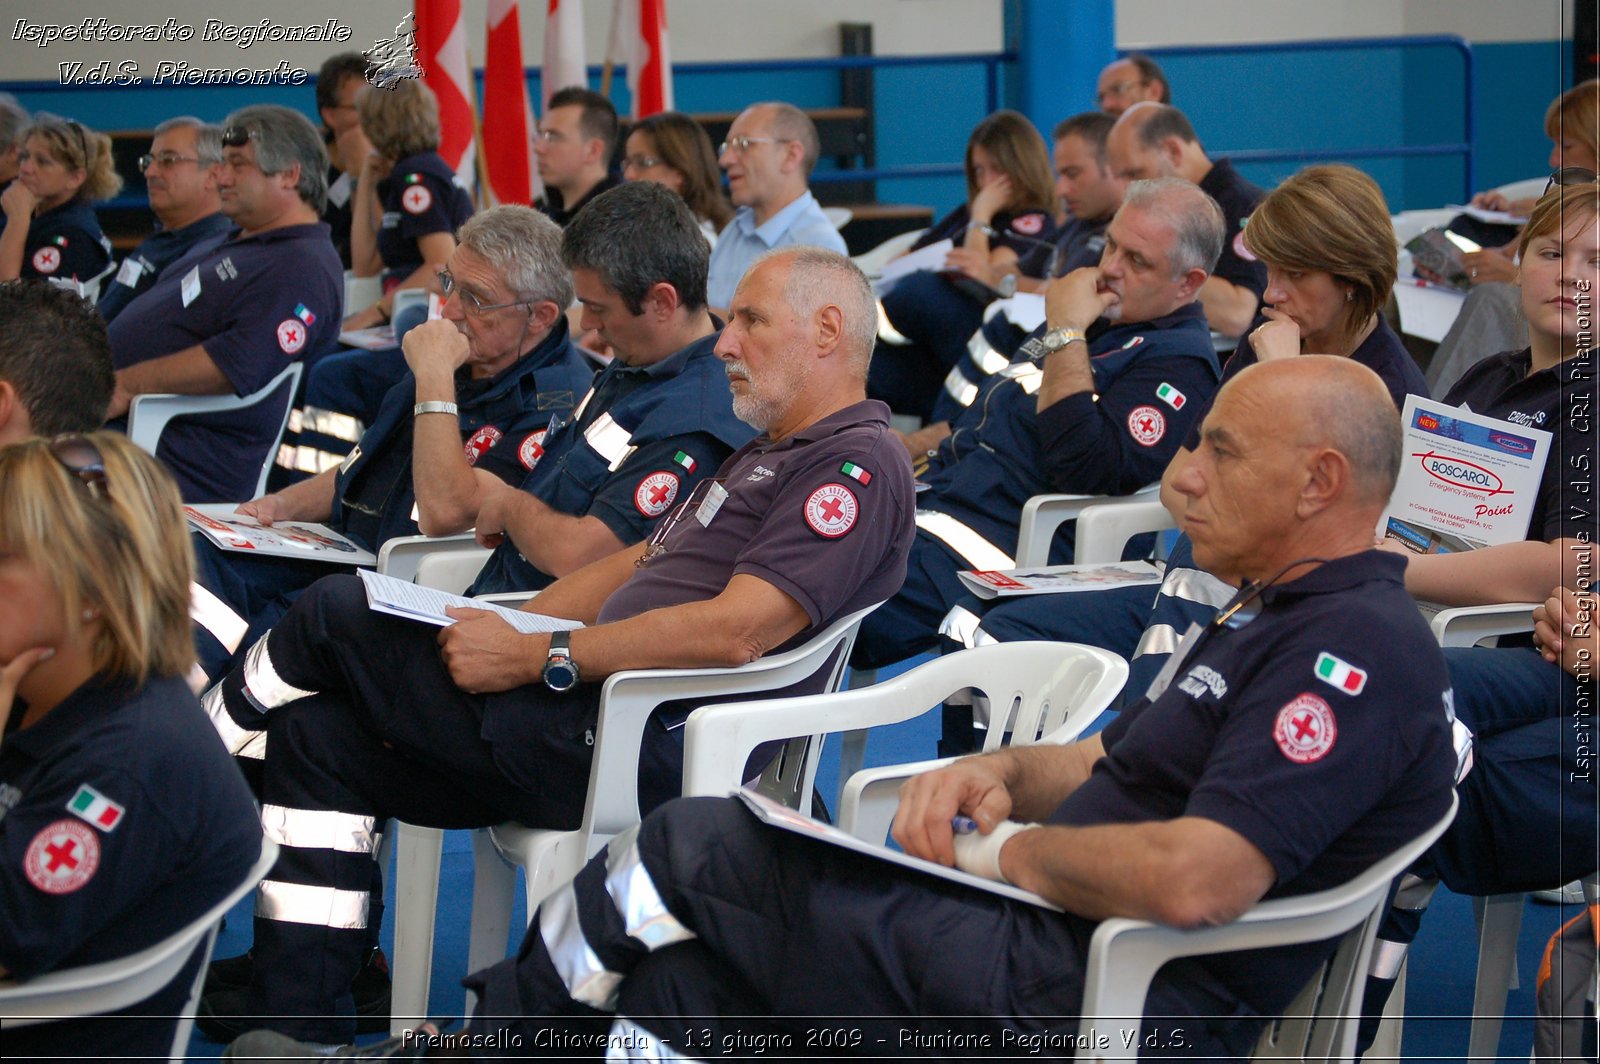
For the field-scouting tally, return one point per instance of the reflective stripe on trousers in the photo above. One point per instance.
(973, 548)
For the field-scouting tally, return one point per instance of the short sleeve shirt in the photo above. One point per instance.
(66, 243)
(743, 242)
(419, 198)
(140, 269)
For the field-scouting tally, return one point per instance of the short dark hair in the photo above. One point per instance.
(1092, 127)
(334, 72)
(599, 118)
(53, 335)
(1150, 70)
(637, 235)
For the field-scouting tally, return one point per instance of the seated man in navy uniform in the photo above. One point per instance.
(659, 418)
(498, 366)
(180, 176)
(368, 716)
(229, 315)
(1126, 353)
(1251, 775)
(1156, 140)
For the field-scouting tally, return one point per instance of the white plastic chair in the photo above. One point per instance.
(1043, 514)
(1124, 955)
(149, 415)
(1105, 528)
(1048, 692)
(549, 858)
(97, 989)
(360, 292)
(448, 563)
(872, 260)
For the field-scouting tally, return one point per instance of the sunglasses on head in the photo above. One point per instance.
(80, 457)
(1571, 175)
(239, 136)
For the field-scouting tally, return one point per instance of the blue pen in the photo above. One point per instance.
(963, 825)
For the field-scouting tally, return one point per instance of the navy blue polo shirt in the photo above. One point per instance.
(122, 819)
(824, 515)
(419, 198)
(1317, 730)
(254, 303)
(1238, 198)
(162, 248)
(1029, 233)
(1558, 399)
(555, 206)
(65, 242)
(1079, 243)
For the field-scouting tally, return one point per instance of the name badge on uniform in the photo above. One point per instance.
(1163, 679)
(191, 286)
(128, 275)
(711, 504)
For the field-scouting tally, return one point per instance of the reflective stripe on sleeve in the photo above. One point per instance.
(973, 548)
(644, 915)
(216, 617)
(984, 356)
(240, 742)
(262, 682)
(886, 330)
(1195, 585)
(1387, 957)
(609, 440)
(319, 829)
(1157, 639)
(298, 903)
(1415, 893)
(960, 389)
(586, 979)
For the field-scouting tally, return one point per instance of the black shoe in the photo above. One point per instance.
(370, 988)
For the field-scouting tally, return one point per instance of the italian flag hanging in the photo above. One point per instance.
(850, 469)
(96, 808)
(1341, 674)
(684, 460)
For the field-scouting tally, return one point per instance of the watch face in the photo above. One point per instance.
(1008, 285)
(560, 675)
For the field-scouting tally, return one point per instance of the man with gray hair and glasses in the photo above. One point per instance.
(229, 315)
(180, 174)
(14, 119)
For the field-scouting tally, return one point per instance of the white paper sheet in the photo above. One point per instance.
(414, 602)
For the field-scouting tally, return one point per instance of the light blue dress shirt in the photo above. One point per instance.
(743, 241)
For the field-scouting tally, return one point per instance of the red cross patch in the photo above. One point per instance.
(1305, 729)
(480, 442)
(62, 857)
(1028, 224)
(655, 493)
(291, 335)
(1147, 425)
(47, 260)
(831, 511)
(531, 449)
(416, 199)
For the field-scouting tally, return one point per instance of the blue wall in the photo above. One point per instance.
(1306, 98)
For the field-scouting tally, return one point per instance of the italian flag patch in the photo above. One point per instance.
(850, 469)
(303, 312)
(1341, 674)
(1171, 396)
(96, 808)
(412, 179)
(685, 460)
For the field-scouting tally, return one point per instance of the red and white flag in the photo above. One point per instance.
(442, 54)
(639, 41)
(507, 115)
(563, 50)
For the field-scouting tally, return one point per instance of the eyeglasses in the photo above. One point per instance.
(1116, 90)
(549, 136)
(640, 162)
(82, 459)
(239, 136)
(658, 539)
(166, 160)
(740, 145)
(1571, 175)
(448, 285)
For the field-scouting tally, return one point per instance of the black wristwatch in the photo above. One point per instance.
(560, 671)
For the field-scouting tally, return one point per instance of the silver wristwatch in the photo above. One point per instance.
(1042, 347)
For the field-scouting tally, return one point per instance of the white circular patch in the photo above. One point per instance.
(831, 510)
(62, 857)
(47, 260)
(1147, 425)
(1239, 248)
(416, 199)
(479, 442)
(1305, 729)
(655, 493)
(531, 449)
(291, 335)
(1028, 224)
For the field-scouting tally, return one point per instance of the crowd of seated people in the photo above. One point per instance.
(727, 485)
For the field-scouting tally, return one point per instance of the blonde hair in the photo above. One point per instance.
(1550, 214)
(1576, 113)
(1333, 219)
(121, 548)
(77, 147)
(400, 119)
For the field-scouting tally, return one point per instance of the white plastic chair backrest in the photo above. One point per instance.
(149, 415)
(1408, 224)
(1042, 515)
(1047, 690)
(1527, 188)
(360, 292)
(96, 989)
(406, 298)
(445, 562)
(1104, 529)
(1125, 954)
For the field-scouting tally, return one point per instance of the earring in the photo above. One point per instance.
(90, 614)
(1349, 295)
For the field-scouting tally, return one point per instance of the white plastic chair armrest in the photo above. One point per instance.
(1043, 514)
(399, 557)
(1465, 626)
(1105, 528)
